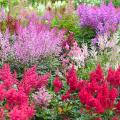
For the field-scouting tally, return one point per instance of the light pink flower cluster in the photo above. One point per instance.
(15, 93)
(42, 97)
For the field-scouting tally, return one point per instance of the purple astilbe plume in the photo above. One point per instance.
(36, 41)
(103, 19)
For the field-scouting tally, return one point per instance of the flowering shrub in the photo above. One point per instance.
(15, 95)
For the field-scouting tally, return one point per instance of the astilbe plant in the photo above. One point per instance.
(103, 19)
(35, 41)
(99, 95)
(15, 95)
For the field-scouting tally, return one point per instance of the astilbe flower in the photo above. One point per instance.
(57, 83)
(2, 92)
(36, 41)
(42, 97)
(71, 77)
(16, 93)
(97, 75)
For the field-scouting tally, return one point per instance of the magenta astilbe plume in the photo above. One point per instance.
(36, 41)
(104, 19)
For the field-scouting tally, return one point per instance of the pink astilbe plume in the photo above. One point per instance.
(36, 41)
(5, 45)
(16, 93)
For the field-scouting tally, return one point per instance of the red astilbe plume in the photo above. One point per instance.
(57, 83)
(71, 77)
(84, 96)
(114, 77)
(31, 80)
(97, 95)
(43, 80)
(94, 104)
(81, 84)
(6, 77)
(66, 96)
(97, 75)
(118, 107)
(2, 92)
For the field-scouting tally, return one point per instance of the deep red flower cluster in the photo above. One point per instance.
(15, 94)
(98, 94)
(57, 84)
(72, 80)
